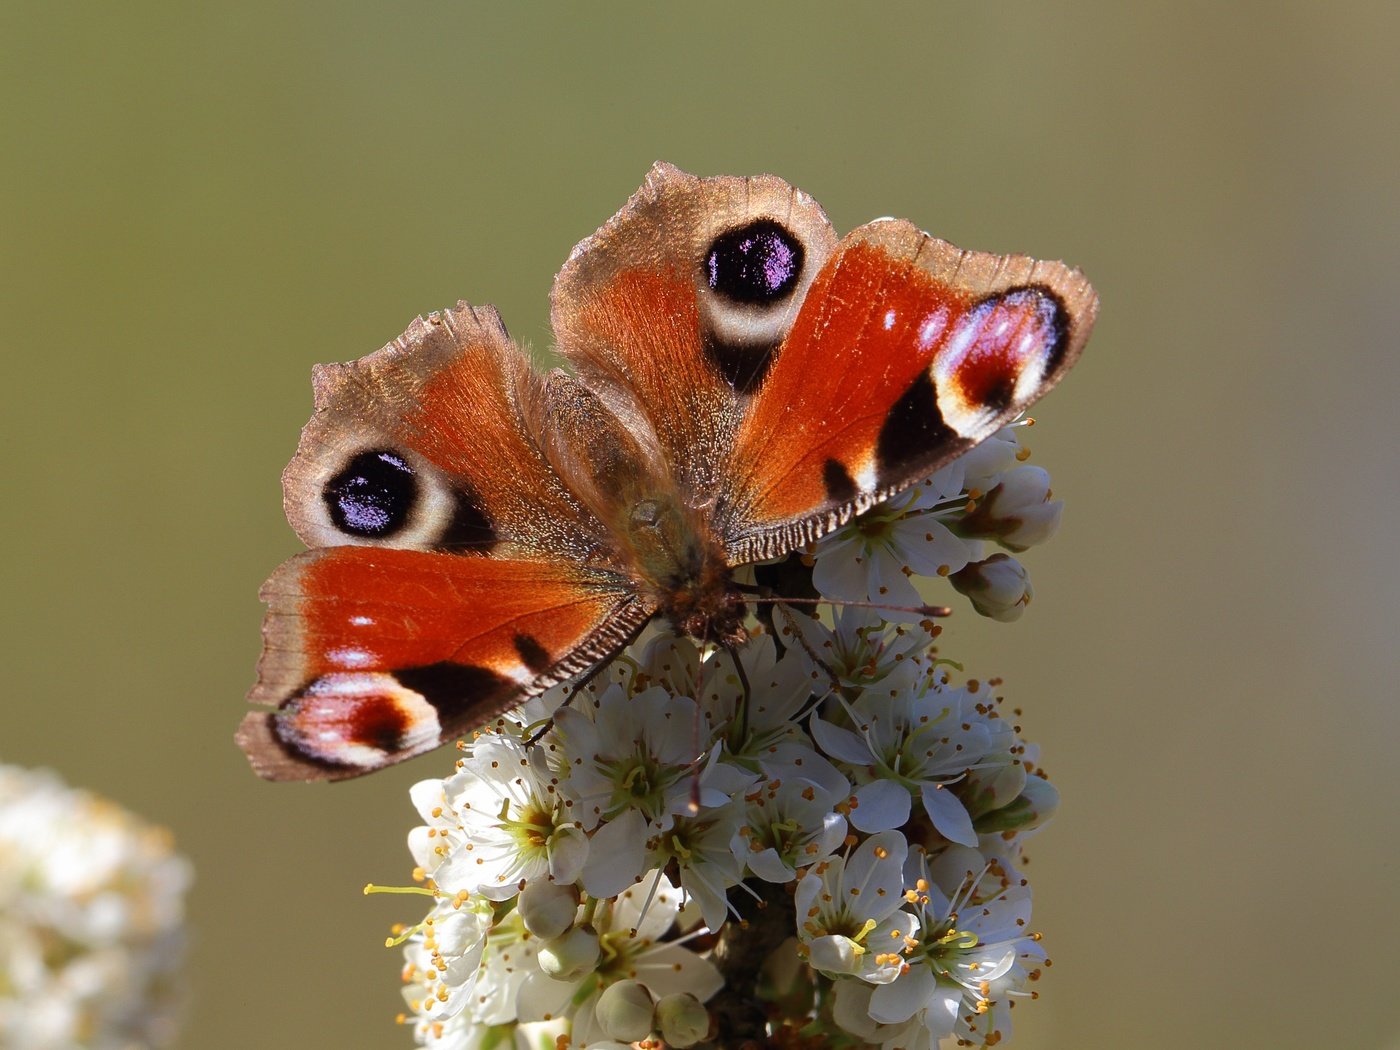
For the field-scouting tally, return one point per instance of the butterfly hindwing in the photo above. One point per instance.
(906, 352)
(373, 655)
(671, 311)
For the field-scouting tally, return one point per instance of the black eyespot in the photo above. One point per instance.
(758, 263)
(373, 496)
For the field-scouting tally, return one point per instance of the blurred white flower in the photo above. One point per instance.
(91, 913)
(441, 965)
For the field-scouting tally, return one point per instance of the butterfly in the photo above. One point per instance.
(744, 382)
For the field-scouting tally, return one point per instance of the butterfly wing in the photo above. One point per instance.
(905, 353)
(374, 655)
(457, 574)
(671, 311)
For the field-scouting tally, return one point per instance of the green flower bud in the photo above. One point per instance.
(1033, 807)
(682, 1019)
(625, 1011)
(571, 955)
(548, 909)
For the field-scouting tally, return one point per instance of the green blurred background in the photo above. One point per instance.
(198, 202)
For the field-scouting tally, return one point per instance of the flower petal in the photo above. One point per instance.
(949, 816)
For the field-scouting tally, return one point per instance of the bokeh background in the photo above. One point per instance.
(198, 202)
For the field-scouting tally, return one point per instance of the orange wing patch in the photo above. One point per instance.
(373, 655)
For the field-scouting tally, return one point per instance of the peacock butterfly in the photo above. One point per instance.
(744, 382)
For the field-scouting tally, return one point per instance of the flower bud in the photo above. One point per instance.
(997, 784)
(999, 587)
(1035, 805)
(682, 1019)
(1018, 513)
(548, 909)
(625, 1011)
(569, 956)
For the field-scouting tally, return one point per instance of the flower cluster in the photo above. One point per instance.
(91, 912)
(812, 838)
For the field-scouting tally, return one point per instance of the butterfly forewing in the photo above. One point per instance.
(906, 353)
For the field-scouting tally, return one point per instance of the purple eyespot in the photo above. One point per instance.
(373, 495)
(759, 263)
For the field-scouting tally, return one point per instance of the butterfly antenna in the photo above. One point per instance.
(918, 610)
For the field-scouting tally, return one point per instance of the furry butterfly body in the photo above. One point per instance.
(744, 382)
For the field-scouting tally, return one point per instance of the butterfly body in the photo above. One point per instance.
(743, 382)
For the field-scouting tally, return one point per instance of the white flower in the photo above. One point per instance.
(789, 823)
(700, 847)
(753, 721)
(498, 824)
(848, 911)
(861, 647)
(442, 960)
(91, 913)
(635, 762)
(973, 954)
(873, 557)
(981, 467)
(1018, 513)
(912, 736)
(632, 934)
(510, 961)
(630, 753)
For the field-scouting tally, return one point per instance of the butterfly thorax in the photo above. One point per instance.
(685, 572)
